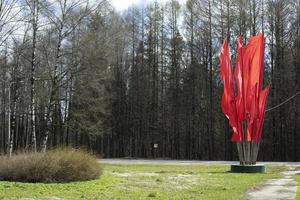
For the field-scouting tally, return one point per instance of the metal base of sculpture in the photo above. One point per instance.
(248, 168)
(247, 152)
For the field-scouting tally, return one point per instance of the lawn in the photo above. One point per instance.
(297, 177)
(147, 182)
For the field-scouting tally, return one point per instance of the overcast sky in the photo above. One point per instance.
(121, 5)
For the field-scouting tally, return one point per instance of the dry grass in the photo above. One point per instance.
(59, 165)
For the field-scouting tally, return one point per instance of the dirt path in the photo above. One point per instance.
(284, 188)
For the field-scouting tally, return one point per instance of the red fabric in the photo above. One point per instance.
(246, 103)
(252, 114)
(240, 82)
(254, 58)
(228, 103)
(262, 110)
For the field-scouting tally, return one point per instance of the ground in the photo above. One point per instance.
(298, 180)
(149, 181)
(284, 187)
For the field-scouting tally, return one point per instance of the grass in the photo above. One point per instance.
(297, 177)
(146, 182)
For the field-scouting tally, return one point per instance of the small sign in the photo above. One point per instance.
(155, 146)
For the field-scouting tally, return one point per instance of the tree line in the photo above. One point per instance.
(144, 82)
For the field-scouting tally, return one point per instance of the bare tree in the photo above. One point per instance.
(64, 16)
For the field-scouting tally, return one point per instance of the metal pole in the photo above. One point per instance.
(240, 153)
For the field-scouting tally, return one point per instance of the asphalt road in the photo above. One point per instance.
(124, 161)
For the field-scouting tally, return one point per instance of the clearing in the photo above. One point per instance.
(148, 181)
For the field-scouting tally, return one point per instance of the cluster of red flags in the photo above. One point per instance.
(244, 99)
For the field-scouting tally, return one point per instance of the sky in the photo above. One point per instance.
(121, 5)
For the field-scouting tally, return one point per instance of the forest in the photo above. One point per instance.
(144, 82)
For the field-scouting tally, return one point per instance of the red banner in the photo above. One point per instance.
(244, 105)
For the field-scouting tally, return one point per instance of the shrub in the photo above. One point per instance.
(58, 165)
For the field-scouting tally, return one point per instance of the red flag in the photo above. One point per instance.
(240, 102)
(226, 75)
(228, 102)
(256, 47)
(249, 103)
(252, 114)
(254, 57)
(262, 110)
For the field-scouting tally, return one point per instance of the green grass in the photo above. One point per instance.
(297, 177)
(146, 182)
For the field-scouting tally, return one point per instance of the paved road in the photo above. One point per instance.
(182, 162)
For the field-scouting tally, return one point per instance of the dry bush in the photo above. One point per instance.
(58, 165)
